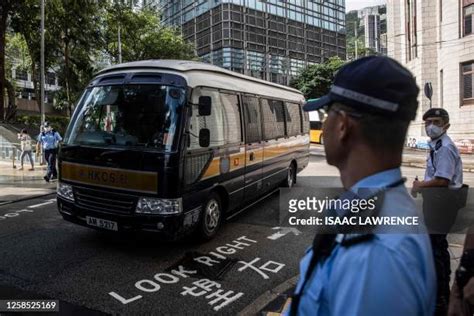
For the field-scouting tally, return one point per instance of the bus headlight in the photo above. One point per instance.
(65, 191)
(147, 205)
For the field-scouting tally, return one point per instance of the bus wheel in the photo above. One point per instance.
(290, 176)
(211, 217)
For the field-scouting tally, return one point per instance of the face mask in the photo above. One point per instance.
(434, 131)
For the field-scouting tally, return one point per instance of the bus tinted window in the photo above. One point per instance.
(252, 119)
(128, 116)
(230, 106)
(273, 119)
(306, 122)
(223, 123)
(293, 119)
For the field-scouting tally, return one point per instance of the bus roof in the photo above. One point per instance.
(202, 74)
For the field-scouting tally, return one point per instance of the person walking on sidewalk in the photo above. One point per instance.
(443, 178)
(25, 144)
(49, 140)
(369, 108)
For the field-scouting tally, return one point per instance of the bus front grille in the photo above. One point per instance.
(105, 202)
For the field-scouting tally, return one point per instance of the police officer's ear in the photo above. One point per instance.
(344, 126)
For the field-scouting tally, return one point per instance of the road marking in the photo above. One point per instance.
(283, 231)
(41, 204)
(14, 214)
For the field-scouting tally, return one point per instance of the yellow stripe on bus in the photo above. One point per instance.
(139, 181)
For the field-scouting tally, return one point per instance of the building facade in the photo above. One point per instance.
(25, 94)
(374, 20)
(267, 39)
(435, 40)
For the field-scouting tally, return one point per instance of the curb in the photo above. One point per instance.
(256, 307)
(26, 198)
(415, 164)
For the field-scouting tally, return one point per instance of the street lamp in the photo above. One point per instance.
(42, 66)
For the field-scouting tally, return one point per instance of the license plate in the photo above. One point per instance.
(101, 223)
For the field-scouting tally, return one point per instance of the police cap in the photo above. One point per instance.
(436, 112)
(373, 84)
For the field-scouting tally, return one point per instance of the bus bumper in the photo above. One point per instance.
(170, 226)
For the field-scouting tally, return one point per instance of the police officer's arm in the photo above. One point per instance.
(376, 280)
(445, 168)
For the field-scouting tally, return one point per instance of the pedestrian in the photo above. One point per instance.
(25, 144)
(49, 140)
(369, 108)
(443, 179)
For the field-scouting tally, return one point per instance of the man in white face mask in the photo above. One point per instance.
(443, 176)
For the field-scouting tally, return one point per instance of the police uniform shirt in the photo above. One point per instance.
(49, 139)
(391, 274)
(444, 161)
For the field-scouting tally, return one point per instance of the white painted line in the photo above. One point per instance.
(41, 204)
(283, 231)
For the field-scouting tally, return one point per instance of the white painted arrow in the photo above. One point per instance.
(283, 231)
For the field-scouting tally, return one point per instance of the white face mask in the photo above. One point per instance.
(434, 131)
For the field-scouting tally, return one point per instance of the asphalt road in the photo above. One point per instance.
(43, 256)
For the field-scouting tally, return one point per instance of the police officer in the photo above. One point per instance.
(49, 139)
(443, 176)
(369, 108)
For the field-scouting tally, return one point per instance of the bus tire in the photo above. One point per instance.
(211, 217)
(290, 176)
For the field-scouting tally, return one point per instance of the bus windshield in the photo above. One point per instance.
(144, 116)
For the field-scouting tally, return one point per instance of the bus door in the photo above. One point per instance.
(253, 148)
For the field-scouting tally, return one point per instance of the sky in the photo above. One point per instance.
(360, 4)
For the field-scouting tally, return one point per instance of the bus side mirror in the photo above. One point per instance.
(204, 137)
(205, 103)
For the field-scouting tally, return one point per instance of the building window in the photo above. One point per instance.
(21, 74)
(467, 83)
(468, 13)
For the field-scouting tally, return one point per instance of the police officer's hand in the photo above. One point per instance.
(468, 291)
(415, 188)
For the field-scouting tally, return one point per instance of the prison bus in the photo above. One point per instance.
(177, 146)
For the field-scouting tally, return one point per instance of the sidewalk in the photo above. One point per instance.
(20, 184)
(411, 157)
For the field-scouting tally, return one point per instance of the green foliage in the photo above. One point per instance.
(59, 123)
(315, 80)
(82, 36)
(142, 36)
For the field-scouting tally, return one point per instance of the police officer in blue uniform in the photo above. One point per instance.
(50, 139)
(369, 108)
(443, 178)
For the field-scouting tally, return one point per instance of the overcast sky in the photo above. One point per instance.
(359, 4)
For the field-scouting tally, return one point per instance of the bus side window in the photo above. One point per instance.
(231, 116)
(293, 119)
(306, 122)
(253, 124)
(221, 123)
(273, 119)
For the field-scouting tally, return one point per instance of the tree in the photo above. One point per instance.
(142, 36)
(78, 38)
(7, 7)
(315, 80)
(26, 20)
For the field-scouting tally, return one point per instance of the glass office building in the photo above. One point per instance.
(267, 39)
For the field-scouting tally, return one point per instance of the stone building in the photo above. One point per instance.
(435, 40)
